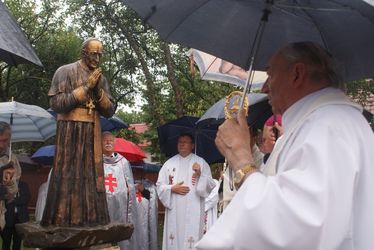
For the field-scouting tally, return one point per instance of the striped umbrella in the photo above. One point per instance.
(28, 122)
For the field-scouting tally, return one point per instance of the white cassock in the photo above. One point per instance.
(211, 206)
(153, 215)
(40, 203)
(120, 194)
(42, 197)
(148, 217)
(143, 212)
(184, 214)
(321, 196)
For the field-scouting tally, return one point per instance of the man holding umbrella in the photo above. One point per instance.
(10, 171)
(316, 189)
(14, 194)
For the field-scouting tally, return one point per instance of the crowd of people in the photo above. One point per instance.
(306, 185)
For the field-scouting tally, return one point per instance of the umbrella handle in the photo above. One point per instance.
(255, 49)
(10, 144)
(10, 152)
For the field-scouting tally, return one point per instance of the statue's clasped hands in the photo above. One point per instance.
(93, 79)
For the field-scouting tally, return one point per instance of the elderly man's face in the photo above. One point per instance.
(278, 84)
(93, 55)
(108, 144)
(4, 141)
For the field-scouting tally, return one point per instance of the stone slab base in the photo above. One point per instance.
(54, 237)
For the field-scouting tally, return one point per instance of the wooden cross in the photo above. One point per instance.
(191, 241)
(90, 105)
(171, 237)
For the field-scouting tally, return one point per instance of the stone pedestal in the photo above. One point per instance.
(55, 238)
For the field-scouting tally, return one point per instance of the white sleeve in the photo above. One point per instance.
(205, 184)
(164, 188)
(311, 196)
(212, 198)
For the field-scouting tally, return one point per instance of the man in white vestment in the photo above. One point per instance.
(120, 191)
(211, 207)
(142, 203)
(316, 190)
(10, 171)
(184, 181)
(148, 214)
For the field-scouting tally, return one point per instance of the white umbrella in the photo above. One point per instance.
(216, 69)
(28, 122)
(259, 111)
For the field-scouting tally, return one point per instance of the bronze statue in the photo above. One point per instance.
(79, 94)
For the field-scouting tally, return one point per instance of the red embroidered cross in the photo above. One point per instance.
(111, 182)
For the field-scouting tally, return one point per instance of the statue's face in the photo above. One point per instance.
(93, 54)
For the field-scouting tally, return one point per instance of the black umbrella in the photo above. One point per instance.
(14, 47)
(113, 123)
(227, 28)
(205, 146)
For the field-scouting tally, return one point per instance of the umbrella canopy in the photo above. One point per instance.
(26, 162)
(258, 112)
(14, 47)
(112, 123)
(205, 146)
(107, 124)
(217, 69)
(227, 29)
(128, 149)
(28, 122)
(45, 155)
(146, 166)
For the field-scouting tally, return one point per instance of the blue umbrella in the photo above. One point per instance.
(44, 155)
(107, 124)
(205, 146)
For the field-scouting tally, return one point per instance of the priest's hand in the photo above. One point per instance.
(180, 189)
(197, 169)
(8, 176)
(268, 137)
(233, 141)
